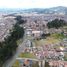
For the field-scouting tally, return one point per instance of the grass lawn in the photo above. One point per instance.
(16, 64)
(57, 36)
(52, 39)
(65, 27)
(65, 57)
(19, 41)
(28, 37)
(27, 55)
(24, 55)
(46, 41)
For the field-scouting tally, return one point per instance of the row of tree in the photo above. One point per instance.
(9, 45)
(20, 20)
(56, 23)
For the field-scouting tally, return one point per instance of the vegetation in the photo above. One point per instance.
(45, 35)
(17, 32)
(46, 41)
(51, 39)
(20, 20)
(27, 55)
(58, 35)
(65, 58)
(16, 64)
(56, 23)
(35, 64)
(47, 64)
(9, 45)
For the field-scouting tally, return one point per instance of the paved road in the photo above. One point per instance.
(27, 58)
(20, 48)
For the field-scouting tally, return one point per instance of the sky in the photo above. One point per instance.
(32, 3)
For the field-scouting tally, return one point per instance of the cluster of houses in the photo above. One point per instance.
(46, 52)
(58, 63)
(6, 23)
(55, 56)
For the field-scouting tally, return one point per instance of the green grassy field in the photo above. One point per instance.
(24, 55)
(19, 41)
(27, 55)
(16, 64)
(57, 36)
(65, 57)
(52, 39)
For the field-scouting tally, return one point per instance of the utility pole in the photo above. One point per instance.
(40, 63)
(43, 63)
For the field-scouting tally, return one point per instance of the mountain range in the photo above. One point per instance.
(54, 10)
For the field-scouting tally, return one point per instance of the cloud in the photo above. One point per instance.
(32, 3)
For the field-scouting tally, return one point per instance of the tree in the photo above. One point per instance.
(45, 35)
(17, 32)
(20, 20)
(9, 45)
(56, 23)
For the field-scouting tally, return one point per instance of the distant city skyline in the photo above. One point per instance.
(32, 3)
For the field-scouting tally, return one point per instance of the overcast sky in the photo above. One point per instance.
(32, 3)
